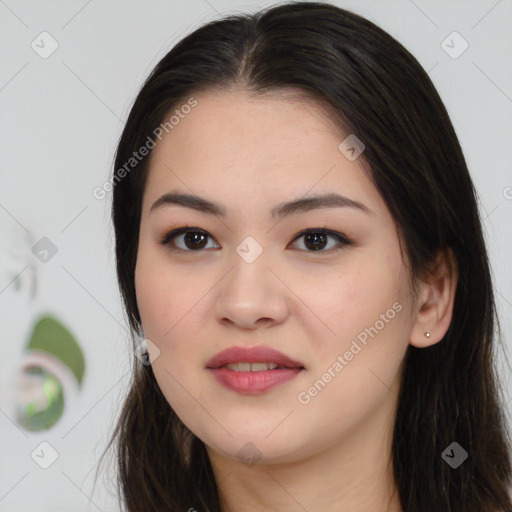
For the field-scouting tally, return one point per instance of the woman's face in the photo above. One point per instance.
(342, 312)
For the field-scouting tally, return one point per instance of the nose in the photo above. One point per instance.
(251, 295)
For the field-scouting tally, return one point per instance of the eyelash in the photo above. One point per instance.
(341, 238)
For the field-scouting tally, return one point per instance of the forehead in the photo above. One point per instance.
(236, 125)
(280, 146)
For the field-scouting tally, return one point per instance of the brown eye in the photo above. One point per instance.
(195, 240)
(315, 240)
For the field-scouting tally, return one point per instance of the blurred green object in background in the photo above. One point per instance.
(41, 399)
(51, 336)
(52, 372)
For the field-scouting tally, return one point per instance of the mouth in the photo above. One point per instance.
(256, 367)
(253, 370)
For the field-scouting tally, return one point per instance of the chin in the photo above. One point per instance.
(253, 448)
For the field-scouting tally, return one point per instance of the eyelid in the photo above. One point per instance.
(342, 239)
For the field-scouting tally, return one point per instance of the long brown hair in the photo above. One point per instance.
(378, 91)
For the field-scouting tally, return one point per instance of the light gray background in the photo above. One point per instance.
(61, 118)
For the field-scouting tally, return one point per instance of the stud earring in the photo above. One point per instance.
(427, 334)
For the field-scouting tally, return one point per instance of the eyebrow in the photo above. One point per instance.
(301, 205)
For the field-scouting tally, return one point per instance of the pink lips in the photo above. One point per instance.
(253, 382)
(260, 354)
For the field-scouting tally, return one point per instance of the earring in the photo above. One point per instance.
(427, 334)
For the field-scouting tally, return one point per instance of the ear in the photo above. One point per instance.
(436, 299)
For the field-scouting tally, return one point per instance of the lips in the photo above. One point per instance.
(253, 370)
(259, 354)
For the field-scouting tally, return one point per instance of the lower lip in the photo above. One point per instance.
(253, 383)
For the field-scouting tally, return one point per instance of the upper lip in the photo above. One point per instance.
(259, 354)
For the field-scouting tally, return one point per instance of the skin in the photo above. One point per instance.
(249, 154)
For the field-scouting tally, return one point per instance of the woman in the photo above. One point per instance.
(299, 249)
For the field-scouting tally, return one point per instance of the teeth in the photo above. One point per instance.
(251, 367)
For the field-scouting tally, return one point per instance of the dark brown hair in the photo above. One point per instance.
(379, 92)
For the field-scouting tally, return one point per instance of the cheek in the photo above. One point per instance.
(168, 308)
(163, 296)
(357, 359)
(173, 310)
(152, 301)
(365, 301)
